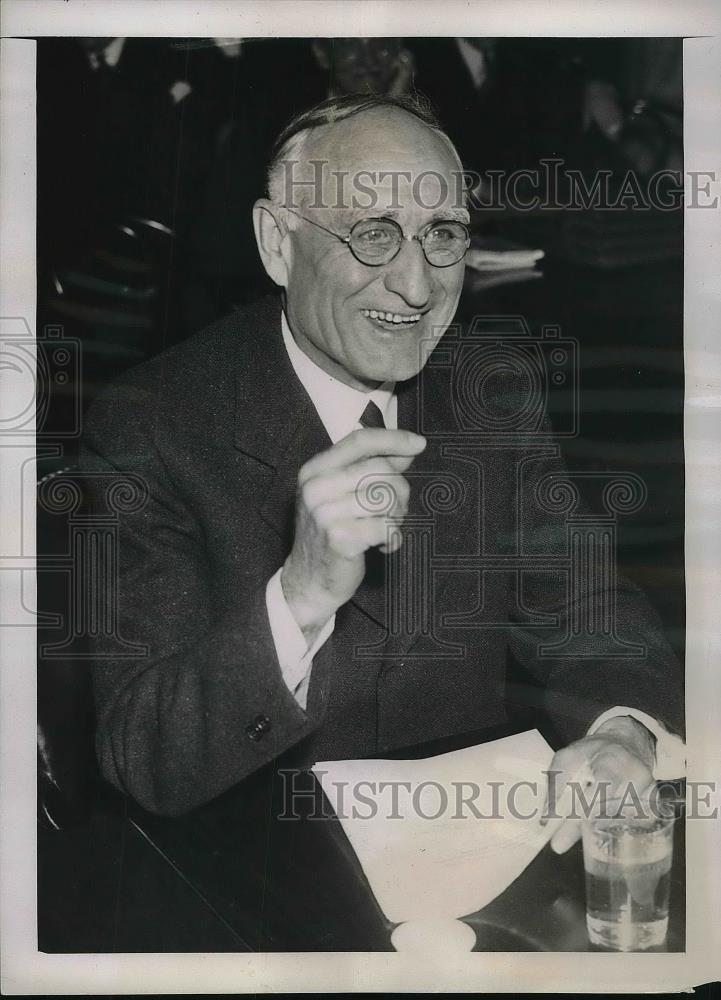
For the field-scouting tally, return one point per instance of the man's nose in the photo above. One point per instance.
(410, 275)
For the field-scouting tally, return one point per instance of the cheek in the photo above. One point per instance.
(333, 274)
(301, 268)
(342, 280)
(316, 277)
(453, 284)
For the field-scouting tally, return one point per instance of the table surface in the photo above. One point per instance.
(296, 885)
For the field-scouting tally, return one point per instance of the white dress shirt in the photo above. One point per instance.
(340, 407)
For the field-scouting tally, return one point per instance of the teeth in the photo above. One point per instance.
(389, 317)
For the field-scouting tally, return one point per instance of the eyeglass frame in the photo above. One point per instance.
(416, 236)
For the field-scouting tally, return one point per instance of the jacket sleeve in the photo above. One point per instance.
(606, 644)
(189, 700)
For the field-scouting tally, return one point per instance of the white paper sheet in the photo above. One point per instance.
(452, 863)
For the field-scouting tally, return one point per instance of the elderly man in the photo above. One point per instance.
(261, 574)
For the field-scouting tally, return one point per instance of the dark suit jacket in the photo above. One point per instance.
(218, 427)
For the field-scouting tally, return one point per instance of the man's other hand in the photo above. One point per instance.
(620, 754)
(344, 500)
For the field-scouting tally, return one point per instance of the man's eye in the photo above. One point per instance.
(374, 236)
(442, 234)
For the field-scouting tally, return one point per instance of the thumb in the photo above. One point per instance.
(400, 462)
(566, 836)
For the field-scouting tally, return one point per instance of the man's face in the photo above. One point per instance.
(339, 308)
(363, 65)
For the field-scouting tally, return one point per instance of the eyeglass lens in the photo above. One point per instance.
(377, 241)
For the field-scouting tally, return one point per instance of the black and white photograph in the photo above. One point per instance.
(361, 444)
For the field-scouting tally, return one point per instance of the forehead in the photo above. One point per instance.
(384, 159)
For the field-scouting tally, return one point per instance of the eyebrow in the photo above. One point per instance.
(352, 215)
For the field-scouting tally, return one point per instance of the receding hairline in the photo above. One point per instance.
(295, 148)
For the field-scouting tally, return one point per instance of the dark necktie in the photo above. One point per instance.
(375, 560)
(372, 416)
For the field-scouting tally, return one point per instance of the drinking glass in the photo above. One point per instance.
(628, 872)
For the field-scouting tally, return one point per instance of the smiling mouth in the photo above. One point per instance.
(391, 320)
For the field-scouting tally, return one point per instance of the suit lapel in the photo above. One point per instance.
(277, 423)
(268, 394)
(275, 420)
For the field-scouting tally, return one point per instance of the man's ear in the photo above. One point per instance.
(270, 235)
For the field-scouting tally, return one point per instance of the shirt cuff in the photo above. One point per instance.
(670, 749)
(295, 657)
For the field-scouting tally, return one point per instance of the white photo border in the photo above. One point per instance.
(24, 969)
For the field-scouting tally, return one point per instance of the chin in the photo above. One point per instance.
(404, 372)
(394, 371)
(390, 355)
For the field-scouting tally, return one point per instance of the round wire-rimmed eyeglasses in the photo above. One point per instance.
(377, 241)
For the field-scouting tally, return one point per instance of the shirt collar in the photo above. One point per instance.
(339, 405)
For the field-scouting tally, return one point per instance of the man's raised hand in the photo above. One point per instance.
(345, 496)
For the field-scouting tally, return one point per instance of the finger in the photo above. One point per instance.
(363, 444)
(569, 765)
(376, 465)
(374, 483)
(378, 471)
(566, 836)
(351, 538)
(399, 463)
(351, 505)
(378, 492)
(388, 548)
(617, 768)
